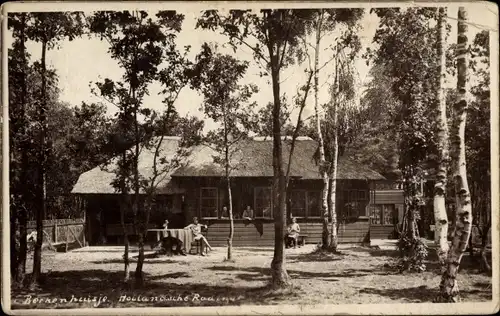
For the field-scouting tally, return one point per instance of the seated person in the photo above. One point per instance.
(266, 212)
(195, 228)
(293, 233)
(248, 213)
(225, 212)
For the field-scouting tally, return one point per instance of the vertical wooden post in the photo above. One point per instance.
(66, 233)
(84, 224)
(55, 231)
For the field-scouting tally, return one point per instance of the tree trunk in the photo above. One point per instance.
(280, 278)
(139, 277)
(123, 208)
(231, 221)
(485, 266)
(14, 249)
(25, 165)
(440, 216)
(23, 246)
(333, 179)
(322, 159)
(449, 285)
(41, 194)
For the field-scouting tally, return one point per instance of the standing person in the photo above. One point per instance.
(293, 232)
(195, 228)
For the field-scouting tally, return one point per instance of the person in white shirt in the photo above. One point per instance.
(195, 228)
(293, 232)
(248, 213)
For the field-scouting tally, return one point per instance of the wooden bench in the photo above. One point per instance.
(301, 240)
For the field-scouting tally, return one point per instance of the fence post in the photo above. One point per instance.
(66, 233)
(55, 232)
(83, 227)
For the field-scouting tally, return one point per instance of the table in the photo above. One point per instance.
(185, 236)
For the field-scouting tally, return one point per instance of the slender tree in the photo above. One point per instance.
(324, 23)
(273, 37)
(449, 284)
(137, 42)
(174, 78)
(47, 28)
(478, 142)
(19, 186)
(226, 102)
(411, 68)
(440, 215)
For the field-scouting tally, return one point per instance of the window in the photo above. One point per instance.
(208, 202)
(383, 214)
(352, 209)
(389, 214)
(314, 204)
(362, 195)
(298, 203)
(353, 202)
(263, 202)
(376, 214)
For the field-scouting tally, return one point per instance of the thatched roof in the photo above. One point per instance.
(253, 158)
(99, 179)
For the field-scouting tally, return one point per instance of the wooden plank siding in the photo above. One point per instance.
(261, 232)
(381, 231)
(387, 197)
(396, 197)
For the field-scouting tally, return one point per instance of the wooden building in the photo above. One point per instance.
(198, 189)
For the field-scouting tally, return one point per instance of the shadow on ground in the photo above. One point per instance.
(375, 252)
(77, 284)
(425, 294)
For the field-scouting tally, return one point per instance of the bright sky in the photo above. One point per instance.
(86, 59)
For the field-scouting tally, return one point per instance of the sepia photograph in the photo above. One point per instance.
(241, 158)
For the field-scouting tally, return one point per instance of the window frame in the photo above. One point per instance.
(270, 188)
(216, 197)
(383, 208)
(302, 191)
(308, 211)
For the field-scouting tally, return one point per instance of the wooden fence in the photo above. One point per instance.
(62, 232)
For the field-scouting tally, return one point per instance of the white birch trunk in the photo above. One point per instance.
(449, 286)
(440, 216)
(322, 159)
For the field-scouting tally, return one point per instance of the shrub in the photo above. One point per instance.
(413, 253)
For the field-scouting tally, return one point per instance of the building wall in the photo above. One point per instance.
(386, 197)
(260, 231)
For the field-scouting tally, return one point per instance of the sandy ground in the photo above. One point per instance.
(92, 276)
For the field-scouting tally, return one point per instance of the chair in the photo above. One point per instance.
(197, 244)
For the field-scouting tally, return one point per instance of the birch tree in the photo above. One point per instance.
(449, 285)
(323, 24)
(440, 215)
